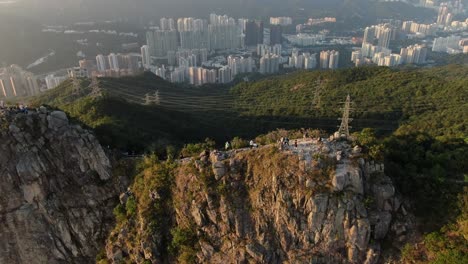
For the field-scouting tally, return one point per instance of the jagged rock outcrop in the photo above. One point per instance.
(319, 203)
(56, 192)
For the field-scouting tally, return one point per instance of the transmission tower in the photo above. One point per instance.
(153, 99)
(94, 85)
(318, 89)
(343, 131)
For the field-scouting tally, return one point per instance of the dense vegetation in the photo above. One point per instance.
(429, 100)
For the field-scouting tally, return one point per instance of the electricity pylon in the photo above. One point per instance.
(318, 89)
(152, 99)
(343, 131)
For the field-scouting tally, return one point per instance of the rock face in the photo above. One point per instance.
(318, 203)
(56, 190)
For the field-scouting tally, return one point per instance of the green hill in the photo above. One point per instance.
(427, 100)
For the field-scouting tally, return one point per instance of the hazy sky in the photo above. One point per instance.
(138, 9)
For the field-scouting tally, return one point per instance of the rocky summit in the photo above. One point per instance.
(320, 202)
(57, 191)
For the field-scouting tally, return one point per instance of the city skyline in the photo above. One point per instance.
(226, 46)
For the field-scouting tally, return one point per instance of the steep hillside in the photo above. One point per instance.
(57, 190)
(320, 203)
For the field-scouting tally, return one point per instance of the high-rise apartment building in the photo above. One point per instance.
(15, 82)
(53, 81)
(444, 17)
(415, 54)
(253, 33)
(161, 41)
(225, 75)
(329, 59)
(167, 24)
(276, 34)
(445, 44)
(102, 63)
(310, 61)
(269, 64)
(199, 76)
(369, 35)
(145, 56)
(113, 62)
(223, 33)
(240, 65)
(283, 21)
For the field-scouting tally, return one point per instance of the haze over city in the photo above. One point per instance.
(233, 131)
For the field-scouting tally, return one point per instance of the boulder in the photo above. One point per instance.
(219, 169)
(57, 120)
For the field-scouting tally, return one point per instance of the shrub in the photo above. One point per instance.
(131, 206)
(182, 237)
(238, 143)
(120, 213)
(193, 150)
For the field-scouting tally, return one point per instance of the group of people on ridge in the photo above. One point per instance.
(20, 107)
(284, 142)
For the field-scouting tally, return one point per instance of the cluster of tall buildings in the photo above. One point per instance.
(376, 42)
(112, 65)
(224, 33)
(269, 63)
(219, 33)
(15, 82)
(450, 44)
(199, 76)
(53, 81)
(318, 21)
(263, 49)
(282, 21)
(411, 27)
(115, 65)
(161, 41)
(305, 60)
(383, 33)
(414, 54)
(304, 40)
(187, 57)
(240, 64)
(329, 59)
(444, 16)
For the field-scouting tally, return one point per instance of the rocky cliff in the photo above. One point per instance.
(56, 192)
(321, 202)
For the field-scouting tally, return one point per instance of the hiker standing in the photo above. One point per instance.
(227, 145)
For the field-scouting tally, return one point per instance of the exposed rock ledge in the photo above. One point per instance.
(56, 190)
(319, 203)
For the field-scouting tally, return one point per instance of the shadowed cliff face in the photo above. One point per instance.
(56, 190)
(319, 203)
